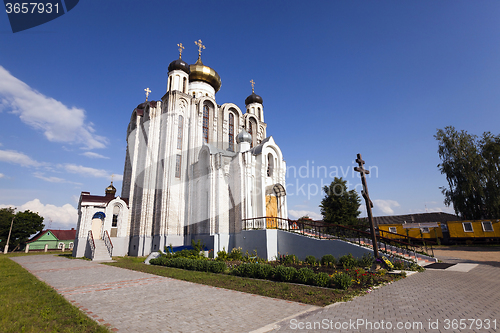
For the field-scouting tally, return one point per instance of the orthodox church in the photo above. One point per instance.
(194, 169)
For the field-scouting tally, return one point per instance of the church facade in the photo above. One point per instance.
(194, 169)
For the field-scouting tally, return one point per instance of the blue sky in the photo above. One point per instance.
(337, 78)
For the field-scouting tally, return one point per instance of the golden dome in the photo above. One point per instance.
(200, 72)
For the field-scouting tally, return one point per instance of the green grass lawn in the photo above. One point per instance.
(29, 305)
(287, 291)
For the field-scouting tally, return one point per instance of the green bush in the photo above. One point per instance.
(311, 260)
(222, 255)
(348, 261)
(265, 271)
(342, 281)
(327, 259)
(321, 279)
(305, 275)
(366, 260)
(191, 264)
(236, 254)
(288, 259)
(284, 274)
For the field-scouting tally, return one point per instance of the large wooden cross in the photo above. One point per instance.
(369, 203)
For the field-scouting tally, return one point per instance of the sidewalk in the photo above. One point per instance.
(129, 301)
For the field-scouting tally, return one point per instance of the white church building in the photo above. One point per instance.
(194, 169)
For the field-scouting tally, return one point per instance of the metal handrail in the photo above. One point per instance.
(90, 240)
(108, 243)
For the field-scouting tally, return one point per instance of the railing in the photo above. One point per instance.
(107, 242)
(426, 243)
(322, 230)
(90, 240)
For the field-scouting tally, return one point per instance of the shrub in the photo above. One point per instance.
(366, 260)
(311, 260)
(216, 266)
(327, 259)
(305, 275)
(222, 255)
(288, 259)
(285, 274)
(236, 254)
(348, 261)
(247, 270)
(321, 279)
(265, 271)
(342, 281)
(399, 264)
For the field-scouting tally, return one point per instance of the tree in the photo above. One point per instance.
(471, 166)
(25, 224)
(339, 205)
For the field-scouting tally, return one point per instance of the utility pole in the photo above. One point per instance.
(6, 249)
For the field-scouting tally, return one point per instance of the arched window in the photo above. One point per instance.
(231, 132)
(170, 84)
(252, 130)
(116, 212)
(270, 165)
(206, 115)
(184, 85)
(178, 166)
(179, 132)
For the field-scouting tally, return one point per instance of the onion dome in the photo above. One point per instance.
(253, 98)
(179, 64)
(200, 72)
(110, 190)
(244, 136)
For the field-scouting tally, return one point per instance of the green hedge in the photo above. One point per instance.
(191, 264)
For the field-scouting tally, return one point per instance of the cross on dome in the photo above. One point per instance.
(253, 83)
(147, 93)
(200, 46)
(181, 48)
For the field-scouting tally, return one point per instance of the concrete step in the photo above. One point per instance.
(101, 251)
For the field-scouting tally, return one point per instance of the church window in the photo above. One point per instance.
(179, 132)
(116, 211)
(252, 130)
(178, 166)
(184, 85)
(169, 83)
(194, 94)
(231, 132)
(206, 115)
(270, 165)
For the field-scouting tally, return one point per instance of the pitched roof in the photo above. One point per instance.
(416, 218)
(59, 234)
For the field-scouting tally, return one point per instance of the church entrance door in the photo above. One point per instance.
(271, 211)
(96, 228)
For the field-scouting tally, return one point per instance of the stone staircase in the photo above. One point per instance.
(101, 251)
(421, 259)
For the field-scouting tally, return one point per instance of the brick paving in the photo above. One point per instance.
(129, 301)
(420, 299)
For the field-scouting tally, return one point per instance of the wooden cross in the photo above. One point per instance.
(181, 48)
(147, 93)
(200, 46)
(369, 203)
(253, 83)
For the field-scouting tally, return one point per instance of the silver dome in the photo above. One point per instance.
(244, 136)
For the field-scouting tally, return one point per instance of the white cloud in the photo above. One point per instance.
(296, 214)
(53, 179)
(86, 171)
(15, 157)
(385, 206)
(58, 122)
(63, 217)
(94, 155)
(2, 175)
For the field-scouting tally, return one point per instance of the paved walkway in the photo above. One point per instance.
(128, 301)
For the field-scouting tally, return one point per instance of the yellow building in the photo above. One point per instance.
(474, 229)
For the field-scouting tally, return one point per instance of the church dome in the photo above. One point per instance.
(253, 98)
(244, 136)
(110, 190)
(179, 64)
(200, 72)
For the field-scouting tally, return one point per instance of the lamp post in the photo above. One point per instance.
(6, 249)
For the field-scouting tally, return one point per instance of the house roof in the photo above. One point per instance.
(59, 234)
(100, 199)
(416, 218)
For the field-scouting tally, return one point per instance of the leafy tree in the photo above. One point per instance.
(339, 205)
(471, 166)
(25, 224)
